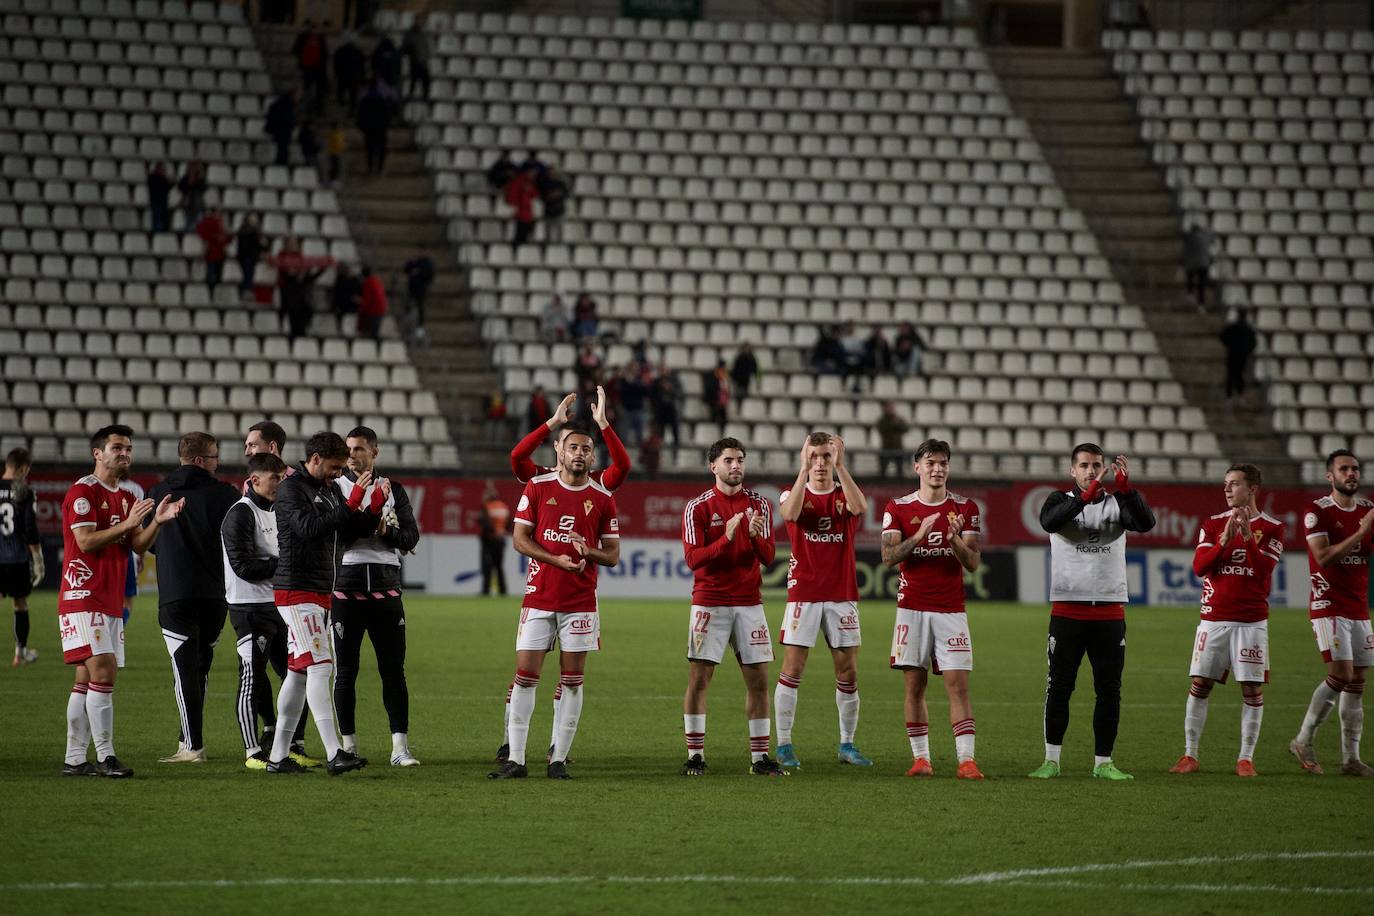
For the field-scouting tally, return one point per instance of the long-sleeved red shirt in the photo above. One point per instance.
(373, 300)
(726, 572)
(524, 468)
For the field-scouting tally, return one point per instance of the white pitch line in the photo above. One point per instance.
(1014, 878)
(1208, 888)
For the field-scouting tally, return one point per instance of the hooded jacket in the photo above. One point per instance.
(190, 563)
(314, 526)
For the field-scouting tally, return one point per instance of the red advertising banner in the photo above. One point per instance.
(653, 509)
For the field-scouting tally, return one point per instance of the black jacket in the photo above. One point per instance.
(189, 563)
(369, 577)
(314, 525)
(1061, 508)
(239, 533)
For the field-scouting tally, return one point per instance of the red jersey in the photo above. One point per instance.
(1341, 589)
(726, 573)
(555, 512)
(612, 477)
(1235, 586)
(93, 581)
(822, 564)
(932, 578)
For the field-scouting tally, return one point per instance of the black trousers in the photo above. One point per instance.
(1235, 374)
(261, 639)
(493, 554)
(383, 620)
(191, 629)
(1104, 642)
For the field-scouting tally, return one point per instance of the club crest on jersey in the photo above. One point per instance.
(77, 574)
(338, 629)
(587, 507)
(1310, 520)
(839, 506)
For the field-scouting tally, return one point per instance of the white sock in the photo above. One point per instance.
(758, 739)
(1052, 751)
(694, 727)
(100, 712)
(785, 707)
(505, 715)
(1251, 715)
(521, 709)
(918, 733)
(349, 743)
(400, 741)
(963, 739)
(569, 711)
(290, 708)
(78, 726)
(847, 702)
(1098, 760)
(1194, 720)
(557, 703)
(1323, 701)
(319, 695)
(1352, 722)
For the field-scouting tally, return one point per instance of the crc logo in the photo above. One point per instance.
(849, 622)
(1252, 654)
(759, 636)
(958, 642)
(1319, 585)
(823, 523)
(582, 624)
(77, 574)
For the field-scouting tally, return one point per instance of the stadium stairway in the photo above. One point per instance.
(391, 217)
(1087, 127)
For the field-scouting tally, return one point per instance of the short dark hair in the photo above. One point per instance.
(1330, 459)
(103, 434)
(1252, 473)
(931, 447)
(1092, 448)
(265, 463)
(272, 432)
(19, 458)
(327, 445)
(575, 427)
(363, 432)
(196, 445)
(720, 445)
(818, 438)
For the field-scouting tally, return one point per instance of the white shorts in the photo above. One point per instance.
(579, 631)
(932, 640)
(1222, 647)
(1341, 639)
(307, 635)
(711, 629)
(803, 621)
(87, 633)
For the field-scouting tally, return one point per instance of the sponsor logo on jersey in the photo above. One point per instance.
(82, 506)
(565, 533)
(936, 538)
(1319, 585)
(552, 501)
(823, 523)
(814, 537)
(77, 574)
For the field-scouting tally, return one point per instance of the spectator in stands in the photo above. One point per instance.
(587, 363)
(633, 397)
(852, 345)
(159, 195)
(743, 371)
(374, 119)
(827, 356)
(907, 351)
(281, 123)
(534, 164)
(521, 194)
(666, 398)
(538, 410)
(416, 48)
(651, 451)
(386, 62)
(249, 244)
(193, 185)
(891, 429)
(877, 354)
(1197, 260)
(296, 285)
(350, 69)
(215, 237)
(311, 54)
(337, 145)
(348, 289)
(1238, 337)
(500, 172)
(553, 321)
(584, 321)
(372, 305)
(639, 352)
(494, 409)
(553, 193)
(715, 393)
(310, 143)
(419, 272)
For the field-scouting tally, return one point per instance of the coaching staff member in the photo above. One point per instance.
(1087, 528)
(190, 582)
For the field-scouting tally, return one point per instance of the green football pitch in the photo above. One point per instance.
(629, 833)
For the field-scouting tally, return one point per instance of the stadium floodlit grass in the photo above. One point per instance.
(631, 833)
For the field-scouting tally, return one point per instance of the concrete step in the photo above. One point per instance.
(1079, 112)
(1108, 180)
(387, 188)
(1133, 157)
(1071, 133)
(1149, 203)
(1020, 63)
(1066, 89)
